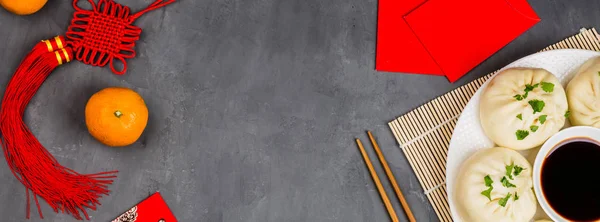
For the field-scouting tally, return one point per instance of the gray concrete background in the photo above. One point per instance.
(253, 108)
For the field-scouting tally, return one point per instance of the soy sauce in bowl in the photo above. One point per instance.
(570, 179)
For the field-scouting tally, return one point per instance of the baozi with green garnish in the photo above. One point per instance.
(583, 93)
(495, 185)
(522, 107)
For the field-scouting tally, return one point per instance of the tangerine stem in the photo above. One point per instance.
(118, 114)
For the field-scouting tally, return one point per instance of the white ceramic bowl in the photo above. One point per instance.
(569, 133)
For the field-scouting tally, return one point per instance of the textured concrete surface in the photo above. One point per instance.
(254, 105)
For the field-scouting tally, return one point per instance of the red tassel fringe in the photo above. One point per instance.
(62, 188)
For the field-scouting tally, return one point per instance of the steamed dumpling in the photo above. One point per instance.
(583, 93)
(522, 107)
(495, 185)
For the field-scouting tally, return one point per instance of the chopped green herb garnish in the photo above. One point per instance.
(518, 170)
(504, 200)
(547, 87)
(516, 196)
(529, 88)
(521, 134)
(534, 128)
(488, 193)
(509, 170)
(506, 183)
(520, 117)
(518, 97)
(537, 105)
(488, 181)
(599, 73)
(543, 119)
(567, 114)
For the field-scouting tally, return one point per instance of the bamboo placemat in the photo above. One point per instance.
(424, 133)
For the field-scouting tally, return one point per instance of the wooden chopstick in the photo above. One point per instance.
(384, 196)
(392, 179)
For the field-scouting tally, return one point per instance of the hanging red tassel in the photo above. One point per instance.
(62, 188)
(95, 37)
(42, 47)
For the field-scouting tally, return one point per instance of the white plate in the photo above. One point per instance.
(468, 135)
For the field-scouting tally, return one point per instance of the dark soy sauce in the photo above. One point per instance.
(571, 179)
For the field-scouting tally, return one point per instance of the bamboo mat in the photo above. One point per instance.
(424, 133)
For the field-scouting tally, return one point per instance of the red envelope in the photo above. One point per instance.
(446, 37)
(152, 209)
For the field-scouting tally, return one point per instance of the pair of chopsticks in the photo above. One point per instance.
(390, 176)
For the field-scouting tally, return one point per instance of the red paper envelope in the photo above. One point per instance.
(446, 37)
(152, 209)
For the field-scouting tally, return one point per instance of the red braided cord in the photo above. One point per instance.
(105, 33)
(156, 5)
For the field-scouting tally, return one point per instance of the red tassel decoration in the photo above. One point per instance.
(95, 37)
(62, 188)
(105, 33)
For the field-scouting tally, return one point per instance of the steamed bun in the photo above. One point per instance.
(522, 107)
(583, 93)
(495, 185)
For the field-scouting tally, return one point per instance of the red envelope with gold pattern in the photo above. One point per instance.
(446, 37)
(152, 209)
